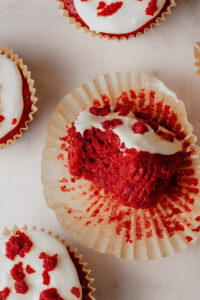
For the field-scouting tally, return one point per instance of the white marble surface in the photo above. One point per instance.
(61, 58)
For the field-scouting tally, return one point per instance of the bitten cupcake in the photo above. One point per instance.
(36, 265)
(116, 19)
(121, 168)
(17, 100)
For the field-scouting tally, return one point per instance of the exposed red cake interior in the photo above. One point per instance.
(49, 262)
(50, 294)
(151, 9)
(25, 115)
(18, 244)
(75, 291)
(136, 178)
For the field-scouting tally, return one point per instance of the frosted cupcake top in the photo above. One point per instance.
(117, 16)
(36, 266)
(11, 95)
(133, 133)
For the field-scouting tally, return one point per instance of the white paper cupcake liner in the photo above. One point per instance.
(97, 220)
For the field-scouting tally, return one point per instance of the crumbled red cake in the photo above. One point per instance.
(21, 287)
(136, 178)
(110, 9)
(49, 262)
(5, 293)
(46, 277)
(139, 127)
(2, 118)
(76, 292)
(111, 124)
(151, 8)
(29, 270)
(17, 272)
(50, 294)
(18, 244)
(18, 275)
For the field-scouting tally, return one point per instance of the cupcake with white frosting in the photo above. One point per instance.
(121, 169)
(17, 100)
(36, 265)
(118, 18)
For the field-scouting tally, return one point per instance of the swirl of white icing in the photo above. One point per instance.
(11, 95)
(63, 277)
(131, 16)
(148, 141)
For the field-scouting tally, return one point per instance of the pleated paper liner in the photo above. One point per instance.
(96, 219)
(30, 86)
(166, 10)
(81, 267)
(197, 56)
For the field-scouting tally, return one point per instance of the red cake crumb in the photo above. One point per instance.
(21, 287)
(166, 136)
(17, 272)
(151, 8)
(5, 293)
(136, 178)
(49, 262)
(50, 294)
(46, 278)
(100, 111)
(29, 270)
(189, 238)
(18, 244)
(139, 127)
(101, 5)
(111, 124)
(2, 118)
(110, 9)
(75, 291)
(18, 275)
(14, 121)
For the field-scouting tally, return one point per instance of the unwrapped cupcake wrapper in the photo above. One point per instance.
(197, 56)
(27, 75)
(144, 29)
(97, 220)
(73, 253)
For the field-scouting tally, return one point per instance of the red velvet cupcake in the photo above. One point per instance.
(35, 265)
(120, 167)
(117, 19)
(17, 92)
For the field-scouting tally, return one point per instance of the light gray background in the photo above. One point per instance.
(61, 58)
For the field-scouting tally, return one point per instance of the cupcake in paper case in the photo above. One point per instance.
(197, 56)
(35, 265)
(17, 100)
(118, 18)
(121, 168)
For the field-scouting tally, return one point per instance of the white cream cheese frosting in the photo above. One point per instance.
(129, 17)
(62, 278)
(148, 141)
(11, 95)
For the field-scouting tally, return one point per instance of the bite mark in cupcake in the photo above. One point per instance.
(181, 184)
